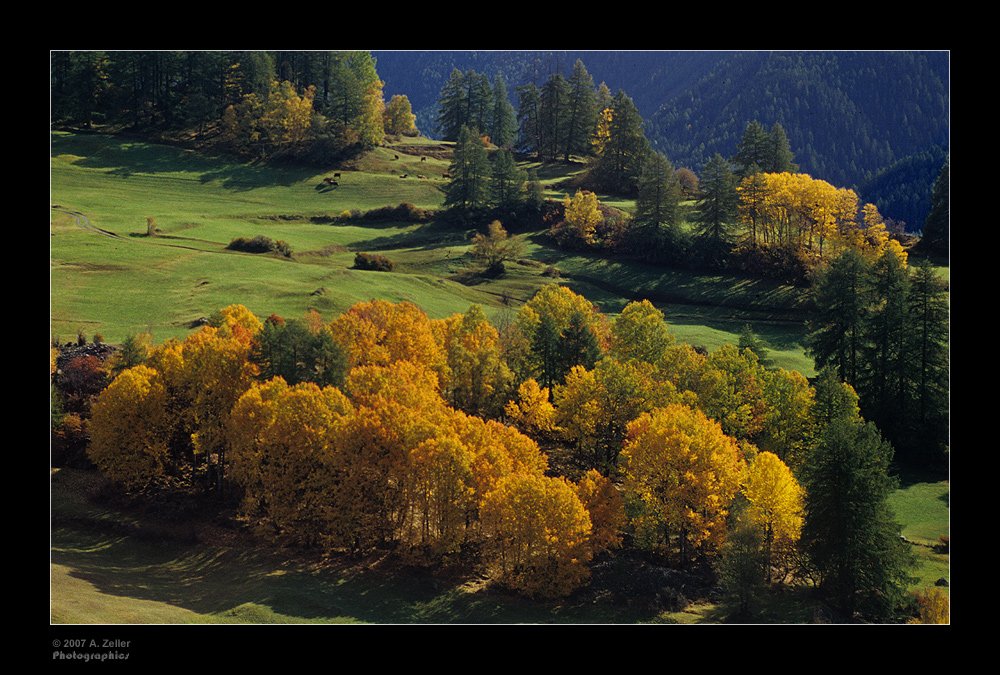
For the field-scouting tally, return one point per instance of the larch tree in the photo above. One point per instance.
(620, 161)
(503, 126)
(838, 332)
(580, 112)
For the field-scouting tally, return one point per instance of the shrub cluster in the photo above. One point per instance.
(260, 244)
(405, 212)
(376, 262)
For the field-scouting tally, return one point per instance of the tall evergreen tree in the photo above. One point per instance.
(659, 193)
(470, 169)
(581, 112)
(507, 184)
(529, 118)
(503, 127)
(753, 151)
(452, 106)
(715, 212)
(781, 156)
(554, 115)
(837, 335)
(850, 533)
(936, 230)
(620, 162)
(880, 383)
(926, 367)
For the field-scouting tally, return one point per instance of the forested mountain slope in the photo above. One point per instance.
(873, 121)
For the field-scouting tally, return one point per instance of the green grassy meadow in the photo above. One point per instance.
(130, 283)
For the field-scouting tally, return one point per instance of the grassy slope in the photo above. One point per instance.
(134, 284)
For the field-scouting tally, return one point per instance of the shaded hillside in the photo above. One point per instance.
(872, 121)
(849, 117)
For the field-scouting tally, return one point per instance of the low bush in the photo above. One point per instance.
(260, 244)
(406, 212)
(367, 261)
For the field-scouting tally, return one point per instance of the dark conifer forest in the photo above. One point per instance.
(874, 121)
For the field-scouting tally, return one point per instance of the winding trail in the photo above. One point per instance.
(84, 222)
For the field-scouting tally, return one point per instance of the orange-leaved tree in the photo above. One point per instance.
(606, 506)
(380, 332)
(539, 533)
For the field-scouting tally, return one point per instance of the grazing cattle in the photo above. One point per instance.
(421, 176)
(403, 176)
(446, 175)
(423, 159)
(395, 156)
(330, 181)
(336, 175)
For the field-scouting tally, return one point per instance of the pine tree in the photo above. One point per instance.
(554, 116)
(837, 336)
(659, 195)
(926, 368)
(581, 111)
(716, 207)
(850, 533)
(881, 384)
(468, 189)
(936, 229)
(753, 151)
(781, 156)
(529, 119)
(503, 129)
(507, 182)
(621, 159)
(451, 107)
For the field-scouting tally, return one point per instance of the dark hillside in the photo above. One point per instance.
(867, 120)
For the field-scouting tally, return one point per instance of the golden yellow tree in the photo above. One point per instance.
(789, 425)
(594, 407)
(582, 218)
(775, 501)
(129, 428)
(205, 375)
(538, 531)
(380, 332)
(737, 401)
(399, 117)
(603, 131)
(371, 131)
(282, 455)
(934, 607)
(681, 473)
(478, 379)
(606, 506)
(640, 333)
(532, 411)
